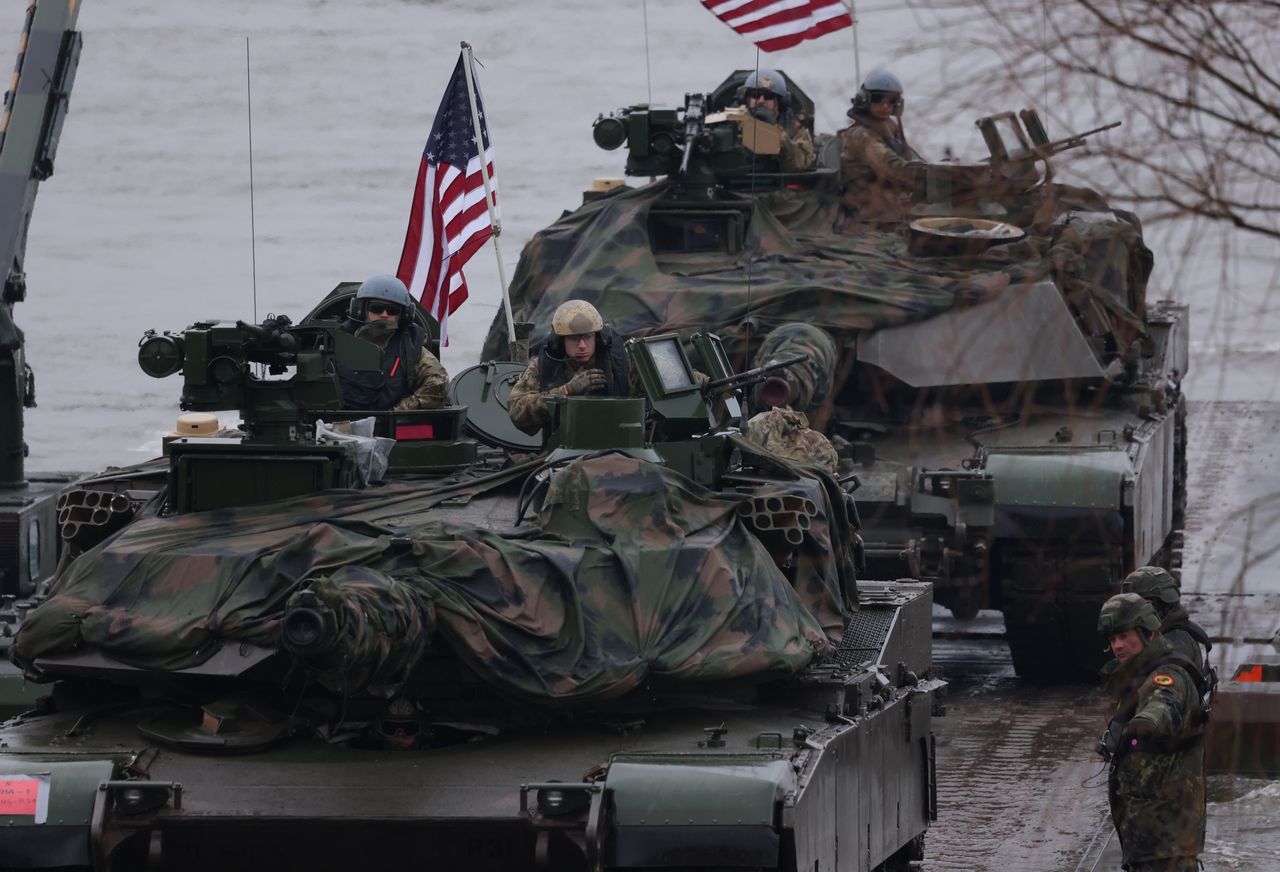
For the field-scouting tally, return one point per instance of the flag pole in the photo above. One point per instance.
(495, 224)
(857, 61)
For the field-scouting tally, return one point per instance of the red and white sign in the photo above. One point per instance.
(20, 795)
(779, 24)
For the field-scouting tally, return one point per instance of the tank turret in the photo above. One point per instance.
(654, 569)
(988, 364)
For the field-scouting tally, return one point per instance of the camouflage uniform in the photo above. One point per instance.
(1181, 640)
(1162, 591)
(1157, 793)
(429, 383)
(528, 404)
(786, 432)
(878, 170)
(797, 153)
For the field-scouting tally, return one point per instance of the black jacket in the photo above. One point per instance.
(613, 362)
(380, 390)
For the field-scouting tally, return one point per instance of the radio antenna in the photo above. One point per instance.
(648, 72)
(747, 322)
(253, 229)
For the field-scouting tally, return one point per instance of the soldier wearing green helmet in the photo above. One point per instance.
(1161, 589)
(765, 95)
(878, 169)
(1153, 741)
(411, 378)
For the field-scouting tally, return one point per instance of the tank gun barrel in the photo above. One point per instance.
(308, 627)
(749, 377)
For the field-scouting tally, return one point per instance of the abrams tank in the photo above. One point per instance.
(644, 648)
(990, 366)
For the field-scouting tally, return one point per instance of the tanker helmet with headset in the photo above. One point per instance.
(879, 85)
(381, 289)
(767, 82)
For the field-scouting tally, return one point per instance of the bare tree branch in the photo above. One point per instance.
(1195, 82)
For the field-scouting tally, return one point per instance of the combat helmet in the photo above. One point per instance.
(878, 82)
(388, 289)
(1127, 611)
(575, 317)
(1152, 583)
(772, 82)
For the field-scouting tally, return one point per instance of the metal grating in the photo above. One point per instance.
(864, 637)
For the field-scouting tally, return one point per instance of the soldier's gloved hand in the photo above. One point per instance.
(589, 381)
(1139, 735)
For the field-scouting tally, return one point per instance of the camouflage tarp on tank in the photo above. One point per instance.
(795, 268)
(631, 572)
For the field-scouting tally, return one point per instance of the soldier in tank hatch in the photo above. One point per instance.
(878, 169)
(1154, 741)
(582, 357)
(1161, 589)
(766, 97)
(411, 377)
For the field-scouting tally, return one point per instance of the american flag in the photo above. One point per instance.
(448, 221)
(779, 24)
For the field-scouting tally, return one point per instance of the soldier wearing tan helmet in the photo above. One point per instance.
(581, 357)
(1153, 741)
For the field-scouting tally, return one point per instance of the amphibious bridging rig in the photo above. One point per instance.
(992, 368)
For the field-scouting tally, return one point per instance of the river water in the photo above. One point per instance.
(147, 222)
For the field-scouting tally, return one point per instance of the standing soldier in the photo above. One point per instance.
(878, 169)
(411, 378)
(1159, 588)
(1156, 782)
(581, 357)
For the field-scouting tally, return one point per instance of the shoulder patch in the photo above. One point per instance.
(1163, 679)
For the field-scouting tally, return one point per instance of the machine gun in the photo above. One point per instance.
(215, 359)
(750, 378)
(1017, 143)
(696, 135)
(1006, 185)
(278, 458)
(680, 143)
